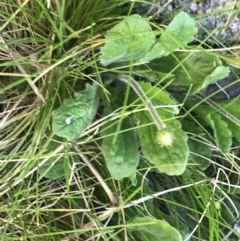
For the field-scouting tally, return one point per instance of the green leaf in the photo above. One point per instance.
(152, 229)
(129, 40)
(178, 33)
(181, 30)
(188, 68)
(55, 166)
(171, 159)
(222, 134)
(219, 124)
(133, 39)
(232, 108)
(160, 97)
(120, 150)
(219, 73)
(182, 228)
(74, 116)
(53, 169)
(169, 156)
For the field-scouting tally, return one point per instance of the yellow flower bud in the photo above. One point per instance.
(164, 138)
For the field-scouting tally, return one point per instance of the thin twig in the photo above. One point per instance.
(88, 225)
(112, 210)
(108, 191)
(149, 197)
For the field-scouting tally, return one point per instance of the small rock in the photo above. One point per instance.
(219, 18)
(224, 92)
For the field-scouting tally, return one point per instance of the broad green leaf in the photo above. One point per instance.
(182, 228)
(188, 68)
(133, 39)
(153, 230)
(74, 116)
(170, 156)
(219, 73)
(120, 149)
(178, 33)
(171, 159)
(129, 40)
(181, 30)
(232, 108)
(157, 51)
(55, 166)
(160, 97)
(53, 169)
(222, 134)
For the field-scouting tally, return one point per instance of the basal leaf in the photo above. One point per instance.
(167, 149)
(53, 169)
(129, 40)
(171, 159)
(181, 30)
(120, 150)
(178, 33)
(232, 108)
(160, 97)
(219, 73)
(222, 134)
(152, 229)
(75, 115)
(133, 39)
(55, 166)
(188, 68)
(157, 51)
(182, 228)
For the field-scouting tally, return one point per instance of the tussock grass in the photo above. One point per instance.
(48, 50)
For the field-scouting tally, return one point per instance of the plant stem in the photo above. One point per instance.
(108, 191)
(138, 90)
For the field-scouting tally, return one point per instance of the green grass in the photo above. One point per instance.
(48, 51)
